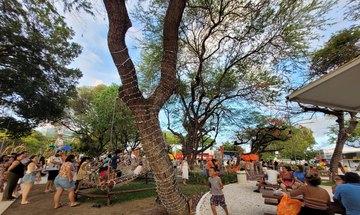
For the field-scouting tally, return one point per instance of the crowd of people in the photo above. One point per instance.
(305, 181)
(65, 171)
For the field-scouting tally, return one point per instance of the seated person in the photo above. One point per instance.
(299, 176)
(339, 179)
(349, 193)
(286, 178)
(336, 205)
(316, 199)
(314, 170)
(138, 169)
(272, 178)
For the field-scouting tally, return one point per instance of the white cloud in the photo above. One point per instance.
(319, 124)
(95, 61)
(98, 82)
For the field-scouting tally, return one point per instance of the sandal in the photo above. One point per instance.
(27, 202)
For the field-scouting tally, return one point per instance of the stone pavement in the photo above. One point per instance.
(240, 199)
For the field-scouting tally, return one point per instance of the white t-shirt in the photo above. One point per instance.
(53, 166)
(272, 176)
(138, 170)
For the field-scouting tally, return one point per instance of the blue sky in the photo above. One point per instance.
(98, 68)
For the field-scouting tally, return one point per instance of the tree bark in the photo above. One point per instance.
(146, 111)
(343, 135)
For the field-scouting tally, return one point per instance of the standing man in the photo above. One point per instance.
(114, 162)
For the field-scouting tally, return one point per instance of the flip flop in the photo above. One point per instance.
(25, 203)
(76, 204)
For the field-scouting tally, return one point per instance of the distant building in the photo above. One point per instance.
(350, 156)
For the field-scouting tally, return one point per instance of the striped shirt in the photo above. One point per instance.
(314, 197)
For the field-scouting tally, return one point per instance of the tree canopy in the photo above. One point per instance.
(35, 51)
(100, 121)
(260, 131)
(354, 138)
(340, 49)
(228, 52)
(299, 146)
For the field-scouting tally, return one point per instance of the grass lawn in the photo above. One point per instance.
(327, 183)
(188, 190)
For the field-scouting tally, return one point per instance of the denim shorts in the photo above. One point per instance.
(29, 178)
(63, 182)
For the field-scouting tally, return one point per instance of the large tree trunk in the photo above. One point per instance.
(343, 135)
(154, 149)
(146, 110)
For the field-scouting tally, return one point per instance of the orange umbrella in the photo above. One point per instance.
(245, 157)
(254, 157)
(249, 157)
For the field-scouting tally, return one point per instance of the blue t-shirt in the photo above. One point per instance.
(299, 175)
(349, 194)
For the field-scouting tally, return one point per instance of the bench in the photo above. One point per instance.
(271, 202)
(271, 199)
(265, 186)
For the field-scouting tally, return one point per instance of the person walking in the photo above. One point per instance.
(217, 196)
(15, 172)
(64, 181)
(29, 178)
(185, 171)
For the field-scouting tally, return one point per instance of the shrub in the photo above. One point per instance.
(198, 178)
(201, 178)
(228, 178)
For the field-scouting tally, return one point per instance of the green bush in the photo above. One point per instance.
(228, 178)
(198, 178)
(201, 178)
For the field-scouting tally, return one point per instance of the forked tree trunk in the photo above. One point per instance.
(343, 136)
(146, 111)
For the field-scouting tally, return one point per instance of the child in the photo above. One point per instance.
(216, 186)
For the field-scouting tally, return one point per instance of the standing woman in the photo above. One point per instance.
(64, 181)
(54, 166)
(185, 170)
(29, 178)
(82, 172)
(4, 164)
(15, 172)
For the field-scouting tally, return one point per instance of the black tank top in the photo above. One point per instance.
(19, 169)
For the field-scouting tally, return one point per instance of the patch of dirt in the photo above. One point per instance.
(42, 203)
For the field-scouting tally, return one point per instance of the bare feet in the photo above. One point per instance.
(59, 206)
(75, 204)
(25, 203)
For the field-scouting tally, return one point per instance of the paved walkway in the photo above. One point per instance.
(240, 199)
